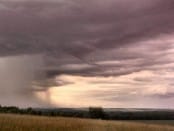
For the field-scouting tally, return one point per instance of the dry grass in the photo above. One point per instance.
(10, 122)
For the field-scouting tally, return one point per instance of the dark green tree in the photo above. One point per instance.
(96, 112)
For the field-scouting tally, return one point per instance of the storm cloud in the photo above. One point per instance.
(95, 39)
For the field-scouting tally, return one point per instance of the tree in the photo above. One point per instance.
(96, 112)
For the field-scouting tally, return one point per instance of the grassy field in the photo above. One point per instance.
(159, 122)
(10, 122)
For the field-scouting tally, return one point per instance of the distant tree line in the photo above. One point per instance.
(92, 112)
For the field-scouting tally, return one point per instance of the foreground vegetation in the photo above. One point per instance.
(9, 122)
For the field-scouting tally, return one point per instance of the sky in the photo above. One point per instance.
(78, 53)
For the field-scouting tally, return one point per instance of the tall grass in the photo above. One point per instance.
(33, 123)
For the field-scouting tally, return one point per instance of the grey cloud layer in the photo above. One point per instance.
(77, 24)
(78, 27)
(91, 38)
(79, 32)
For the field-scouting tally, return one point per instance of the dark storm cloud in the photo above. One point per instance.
(69, 32)
(122, 46)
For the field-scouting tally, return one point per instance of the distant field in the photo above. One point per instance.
(159, 122)
(10, 122)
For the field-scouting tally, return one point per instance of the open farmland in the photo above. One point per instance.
(10, 122)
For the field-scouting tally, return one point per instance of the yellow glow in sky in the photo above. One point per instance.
(127, 90)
